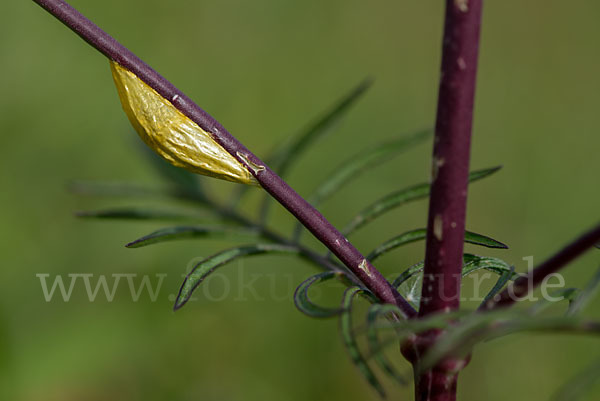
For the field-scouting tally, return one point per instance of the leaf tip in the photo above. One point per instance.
(179, 302)
(492, 170)
(498, 245)
(367, 82)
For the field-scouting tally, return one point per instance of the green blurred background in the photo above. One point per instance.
(265, 68)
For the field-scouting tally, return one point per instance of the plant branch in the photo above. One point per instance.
(448, 200)
(271, 182)
(525, 284)
(304, 252)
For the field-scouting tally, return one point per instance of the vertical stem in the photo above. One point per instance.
(448, 200)
(435, 385)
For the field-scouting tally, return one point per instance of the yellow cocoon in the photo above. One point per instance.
(173, 135)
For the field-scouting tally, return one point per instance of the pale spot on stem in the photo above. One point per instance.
(438, 227)
(256, 168)
(364, 266)
(435, 168)
(462, 5)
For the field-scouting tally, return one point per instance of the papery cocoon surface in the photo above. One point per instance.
(173, 135)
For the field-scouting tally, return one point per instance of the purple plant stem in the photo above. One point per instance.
(448, 200)
(525, 284)
(271, 182)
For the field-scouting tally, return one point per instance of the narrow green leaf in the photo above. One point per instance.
(580, 385)
(588, 293)
(402, 239)
(563, 294)
(405, 329)
(408, 273)
(409, 284)
(459, 339)
(414, 326)
(502, 280)
(350, 342)
(306, 305)
(210, 264)
(473, 263)
(113, 189)
(133, 190)
(359, 163)
(284, 156)
(421, 233)
(412, 289)
(374, 344)
(482, 240)
(188, 232)
(135, 213)
(568, 325)
(399, 198)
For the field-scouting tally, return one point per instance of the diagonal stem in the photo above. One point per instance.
(269, 180)
(304, 252)
(525, 284)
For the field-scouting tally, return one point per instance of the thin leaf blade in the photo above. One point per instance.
(137, 213)
(409, 283)
(408, 273)
(500, 283)
(472, 263)
(284, 156)
(401, 197)
(584, 298)
(303, 302)
(190, 232)
(579, 385)
(113, 189)
(563, 294)
(483, 240)
(354, 166)
(210, 264)
(420, 234)
(462, 337)
(287, 153)
(377, 351)
(350, 342)
(402, 239)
